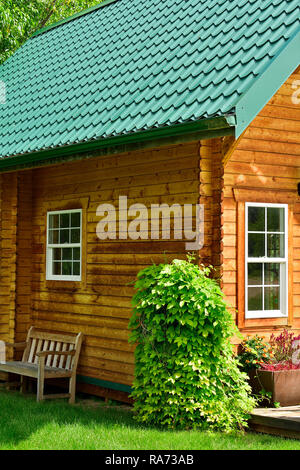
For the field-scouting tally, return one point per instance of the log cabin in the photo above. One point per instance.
(174, 102)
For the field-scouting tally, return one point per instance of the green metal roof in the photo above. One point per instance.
(128, 67)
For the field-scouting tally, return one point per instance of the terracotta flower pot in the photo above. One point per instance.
(284, 385)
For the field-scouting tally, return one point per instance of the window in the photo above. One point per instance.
(266, 260)
(64, 245)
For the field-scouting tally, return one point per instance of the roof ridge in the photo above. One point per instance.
(73, 17)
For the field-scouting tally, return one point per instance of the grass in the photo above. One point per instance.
(90, 425)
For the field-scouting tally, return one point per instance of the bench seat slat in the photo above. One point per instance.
(31, 370)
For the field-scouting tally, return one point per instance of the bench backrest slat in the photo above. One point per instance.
(49, 358)
(38, 349)
(69, 360)
(32, 349)
(55, 358)
(63, 358)
(43, 341)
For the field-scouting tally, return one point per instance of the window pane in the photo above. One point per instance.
(275, 216)
(54, 221)
(67, 254)
(272, 273)
(57, 269)
(256, 245)
(76, 269)
(53, 236)
(64, 236)
(255, 298)
(64, 220)
(75, 219)
(75, 235)
(272, 299)
(256, 219)
(76, 253)
(56, 254)
(67, 268)
(255, 277)
(275, 246)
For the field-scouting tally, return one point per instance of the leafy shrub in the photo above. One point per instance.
(253, 351)
(186, 375)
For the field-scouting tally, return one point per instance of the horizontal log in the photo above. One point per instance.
(154, 156)
(90, 176)
(263, 145)
(281, 112)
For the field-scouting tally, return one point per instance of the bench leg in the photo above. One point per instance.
(72, 388)
(23, 384)
(40, 384)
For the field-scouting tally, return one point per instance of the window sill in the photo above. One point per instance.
(64, 279)
(264, 315)
(64, 285)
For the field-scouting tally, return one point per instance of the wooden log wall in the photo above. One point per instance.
(8, 256)
(100, 305)
(264, 166)
(24, 256)
(211, 194)
(8, 260)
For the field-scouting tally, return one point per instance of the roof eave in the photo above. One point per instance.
(195, 130)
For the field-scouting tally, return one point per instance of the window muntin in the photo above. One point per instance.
(64, 245)
(266, 260)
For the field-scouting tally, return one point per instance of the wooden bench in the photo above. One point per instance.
(47, 356)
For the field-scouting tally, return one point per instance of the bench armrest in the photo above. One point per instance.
(55, 353)
(16, 345)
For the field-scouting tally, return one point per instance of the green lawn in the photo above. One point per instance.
(56, 425)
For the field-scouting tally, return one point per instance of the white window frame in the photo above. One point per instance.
(49, 250)
(283, 312)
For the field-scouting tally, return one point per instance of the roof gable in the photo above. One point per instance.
(138, 65)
